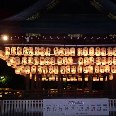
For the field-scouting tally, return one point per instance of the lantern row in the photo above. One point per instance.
(24, 70)
(60, 60)
(61, 51)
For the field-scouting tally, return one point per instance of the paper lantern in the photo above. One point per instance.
(98, 60)
(59, 61)
(114, 51)
(52, 61)
(97, 51)
(7, 51)
(56, 51)
(91, 51)
(67, 69)
(55, 69)
(39, 69)
(24, 61)
(36, 61)
(80, 61)
(19, 51)
(114, 60)
(102, 69)
(30, 61)
(97, 69)
(79, 69)
(30, 51)
(61, 51)
(25, 51)
(13, 51)
(17, 60)
(51, 69)
(70, 61)
(47, 51)
(109, 61)
(72, 51)
(42, 61)
(107, 68)
(2, 55)
(109, 51)
(27, 69)
(113, 68)
(67, 51)
(73, 69)
(45, 70)
(62, 69)
(33, 69)
(37, 51)
(65, 60)
(103, 61)
(103, 51)
(85, 51)
(79, 51)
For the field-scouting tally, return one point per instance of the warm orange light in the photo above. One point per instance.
(5, 37)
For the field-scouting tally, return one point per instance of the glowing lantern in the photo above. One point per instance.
(67, 69)
(61, 51)
(107, 68)
(72, 51)
(80, 61)
(7, 51)
(17, 70)
(103, 61)
(42, 61)
(24, 61)
(85, 69)
(65, 60)
(30, 61)
(39, 69)
(79, 69)
(73, 69)
(97, 51)
(19, 51)
(79, 51)
(97, 70)
(51, 69)
(33, 69)
(98, 60)
(52, 61)
(113, 68)
(25, 51)
(36, 60)
(36, 51)
(69, 61)
(17, 60)
(114, 51)
(59, 60)
(62, 69)
(47, 51)
(55, 69)
(85, 51)
(103, 51)
(86, 61)
(42, 51)
(47, 61)
(109, 61)
(45, 70)
(56, 51)
(27, 69)
(91, 60)
(91, 51)
(2, 55)
(114, 60)
(90, 69)
(30, 52)
(67, 51)
(13, 51)
(109, 51)
(102, 69)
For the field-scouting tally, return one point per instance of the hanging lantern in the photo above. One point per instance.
(37, 51)
(2, 55)
(103, 61)
(30, 51)
(62, 69)
(42, 61)
(17, 60)
(65, 60)
(98, 60)
(47, 51)
(97, 70)
(30, 61)
(67, 69)
(86, 61)
(61, 51)
(113, 68)
(79, 51)
(19, 51)
(91, 51)
(73, 69)
(91, 60)
(27, 69)
(85, 51)
(45, 70)
(85, 69)
(25, 51)
(102, 69)
(103, 51)
(97, 51)
(109, 51)
(51, 69)
(67, 51)
(47, 61)
(90, 69)
(36, 61)
(56, 51)
(39, 69)
(114, 51)
(52, 61)
(79, 69)
(42, 51)
(55, 69)
(13, 51)
(109, 61)
(59, 60)
(107, 68)
(72, 51)
(80, 61)
(24, 61)
(7, 51)
(114, 60)
(33, 69)
(70, 61)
